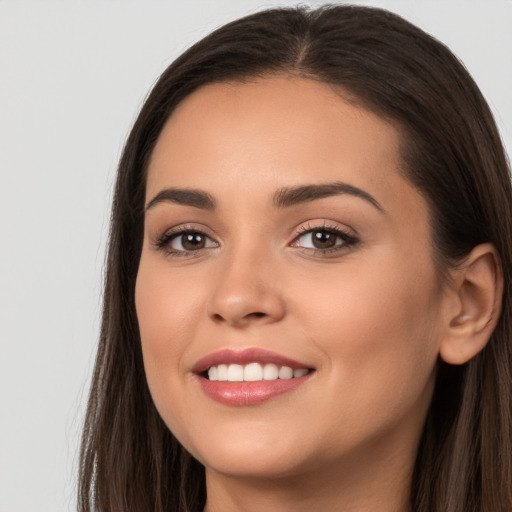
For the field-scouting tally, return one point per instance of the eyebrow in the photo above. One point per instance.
(183, 196)
(291, 196)
(283, 198)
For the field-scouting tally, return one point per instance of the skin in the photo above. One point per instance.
(370, 318)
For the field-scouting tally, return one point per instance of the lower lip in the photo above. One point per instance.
(249, 393)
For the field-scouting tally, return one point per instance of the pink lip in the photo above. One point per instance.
(247, 393)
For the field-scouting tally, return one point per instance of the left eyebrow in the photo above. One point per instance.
(291, 196)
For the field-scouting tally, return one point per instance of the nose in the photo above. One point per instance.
(246, 293)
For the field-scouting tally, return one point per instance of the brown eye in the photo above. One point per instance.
(190, 241)
(193, 241)
(323, 239)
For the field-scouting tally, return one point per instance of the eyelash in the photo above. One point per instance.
(163, 243)
(349, 240)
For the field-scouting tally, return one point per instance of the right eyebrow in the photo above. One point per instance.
(183, 196)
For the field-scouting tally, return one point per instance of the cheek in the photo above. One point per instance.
(167, 310)
(377, 325)
(167, 305)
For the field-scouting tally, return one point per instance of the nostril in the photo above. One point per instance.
(245, 308)
(256, 314)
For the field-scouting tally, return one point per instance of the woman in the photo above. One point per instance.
(307, 302)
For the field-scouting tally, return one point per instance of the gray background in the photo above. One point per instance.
(72, 77)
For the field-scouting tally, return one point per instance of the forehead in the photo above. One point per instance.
(275, 132)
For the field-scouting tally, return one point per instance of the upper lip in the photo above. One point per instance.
(245, 356)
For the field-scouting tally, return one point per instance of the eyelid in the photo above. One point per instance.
(349, 237)
(162, 242)
(324, 224)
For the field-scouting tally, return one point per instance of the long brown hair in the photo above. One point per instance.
(452, 153)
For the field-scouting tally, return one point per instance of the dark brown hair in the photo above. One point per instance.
(452, 153)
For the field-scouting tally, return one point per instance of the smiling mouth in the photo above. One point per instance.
(253, 372)
(250, 376)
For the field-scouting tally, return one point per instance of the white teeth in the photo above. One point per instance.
(285, 372)
(235, 373)
(253, 372)
(222, 372)
(270, 372)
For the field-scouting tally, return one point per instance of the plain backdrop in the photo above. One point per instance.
(73, 75)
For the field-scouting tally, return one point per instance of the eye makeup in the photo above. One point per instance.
(317, 239)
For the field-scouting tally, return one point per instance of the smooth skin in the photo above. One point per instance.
(368, 310)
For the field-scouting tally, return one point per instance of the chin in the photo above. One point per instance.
(258, 467)
(251, 456)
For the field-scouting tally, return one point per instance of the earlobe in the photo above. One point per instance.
(479, 288)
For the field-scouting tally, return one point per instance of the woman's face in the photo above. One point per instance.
(280, 231)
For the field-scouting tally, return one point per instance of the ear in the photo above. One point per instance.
(478, 289)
